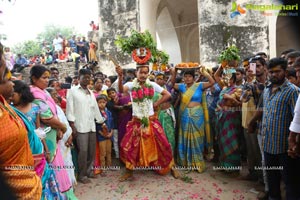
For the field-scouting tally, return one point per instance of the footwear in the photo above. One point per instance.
(84, 181)
(175, 173)
(263, 196)
(127, 175)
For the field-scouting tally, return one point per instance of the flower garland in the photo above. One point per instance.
(141, 100)
(141, 59)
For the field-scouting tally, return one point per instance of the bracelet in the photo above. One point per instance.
(47, 152)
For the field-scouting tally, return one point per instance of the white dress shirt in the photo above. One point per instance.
(295, 125)
(82, 109)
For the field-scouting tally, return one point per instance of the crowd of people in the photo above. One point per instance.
(75, 49)
(53, 136)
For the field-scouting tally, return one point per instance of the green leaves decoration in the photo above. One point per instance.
(229, 54)
(136, 40)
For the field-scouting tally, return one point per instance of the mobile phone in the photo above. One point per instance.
(253, 67)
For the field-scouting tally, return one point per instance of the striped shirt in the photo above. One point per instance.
(277, 116)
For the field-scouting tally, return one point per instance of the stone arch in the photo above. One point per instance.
(167, 35)
(287, 34)
(183, 18)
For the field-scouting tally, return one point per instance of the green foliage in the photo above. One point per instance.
(136, 40)
(229, 54)
(52, 30)
(29, 47)
(34, 47)
(159, 57)
(164, 57)
(187, 179)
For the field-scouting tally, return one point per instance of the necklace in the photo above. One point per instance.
(141, 100)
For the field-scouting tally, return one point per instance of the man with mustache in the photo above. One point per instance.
(279, 99)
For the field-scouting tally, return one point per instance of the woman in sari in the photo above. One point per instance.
(16, 160)
(22, 100)
(39, 76)
(166, 114)
(92, 51)
(67, 141)
(229, 123)
(194, 130)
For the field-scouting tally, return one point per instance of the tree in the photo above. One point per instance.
(34, 47)
(29, 47)
(52, 30)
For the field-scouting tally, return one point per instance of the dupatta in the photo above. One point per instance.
(185, 100)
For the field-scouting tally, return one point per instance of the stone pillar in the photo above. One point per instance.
(249, 31)
(116, 18)
(147, 12)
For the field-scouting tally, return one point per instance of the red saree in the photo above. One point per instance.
(146, 148)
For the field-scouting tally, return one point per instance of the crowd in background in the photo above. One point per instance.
(246, 117)
(75, 49)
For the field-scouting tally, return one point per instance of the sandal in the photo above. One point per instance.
(127, 175)
(175, 173)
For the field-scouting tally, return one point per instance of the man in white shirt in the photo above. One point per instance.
(82, 110)
(58, 43)
(294, 137)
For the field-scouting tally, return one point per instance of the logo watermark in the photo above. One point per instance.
(265, 9)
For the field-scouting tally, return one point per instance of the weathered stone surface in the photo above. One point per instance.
(65, 69)
(249, 31)
(117, 18)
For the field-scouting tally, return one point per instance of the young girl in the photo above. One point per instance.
(104, 135)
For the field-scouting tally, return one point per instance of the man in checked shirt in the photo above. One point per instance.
(279, 99)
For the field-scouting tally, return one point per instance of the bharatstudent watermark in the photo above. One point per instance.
(290, 10)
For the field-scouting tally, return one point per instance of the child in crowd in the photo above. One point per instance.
(291, 75)
(114, 109)
(104, 134)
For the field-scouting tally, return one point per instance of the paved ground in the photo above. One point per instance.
(147, 185)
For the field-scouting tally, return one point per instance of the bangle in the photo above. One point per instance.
(47, 152)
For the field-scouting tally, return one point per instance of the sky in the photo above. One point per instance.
(22, 20)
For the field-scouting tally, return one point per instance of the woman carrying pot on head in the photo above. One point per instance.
(229, 118)
(194, 130)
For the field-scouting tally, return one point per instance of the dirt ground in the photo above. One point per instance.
(146, 185)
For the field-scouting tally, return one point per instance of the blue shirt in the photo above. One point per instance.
(109, 124)
(277, 116)
(213, 98)
(197, 96)
(21, 61)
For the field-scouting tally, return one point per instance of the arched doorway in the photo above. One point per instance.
(178, 29)
(167, 36)
(287, 34)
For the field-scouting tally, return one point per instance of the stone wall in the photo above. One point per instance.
(249, 31)
(116, 18)
(65, 69)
